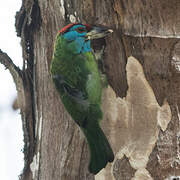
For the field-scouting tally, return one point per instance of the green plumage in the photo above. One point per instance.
(77, 79)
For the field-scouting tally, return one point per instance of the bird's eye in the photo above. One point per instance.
(80, 30)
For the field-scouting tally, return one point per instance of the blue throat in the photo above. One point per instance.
(82, 45)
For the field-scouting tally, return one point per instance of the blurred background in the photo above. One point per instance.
(11, 135)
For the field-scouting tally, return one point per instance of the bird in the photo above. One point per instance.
(75, 74)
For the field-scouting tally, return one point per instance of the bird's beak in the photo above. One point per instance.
(98, 32)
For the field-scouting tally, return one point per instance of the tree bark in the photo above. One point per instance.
(141, 104)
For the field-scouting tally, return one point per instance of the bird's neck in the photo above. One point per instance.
(81, 45)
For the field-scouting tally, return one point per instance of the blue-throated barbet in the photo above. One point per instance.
(76, 77)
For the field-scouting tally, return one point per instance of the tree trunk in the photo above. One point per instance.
(141, 104)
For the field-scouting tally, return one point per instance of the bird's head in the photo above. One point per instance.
(81, 34)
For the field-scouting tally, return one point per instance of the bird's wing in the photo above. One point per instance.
(75, 93)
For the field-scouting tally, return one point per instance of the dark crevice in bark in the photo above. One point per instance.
(66, 12)
(28, 21)
(124, 93)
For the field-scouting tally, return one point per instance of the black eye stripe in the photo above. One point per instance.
(80, 29)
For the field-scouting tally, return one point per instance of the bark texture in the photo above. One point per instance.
(141, 105)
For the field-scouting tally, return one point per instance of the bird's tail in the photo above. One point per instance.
(100, 149)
